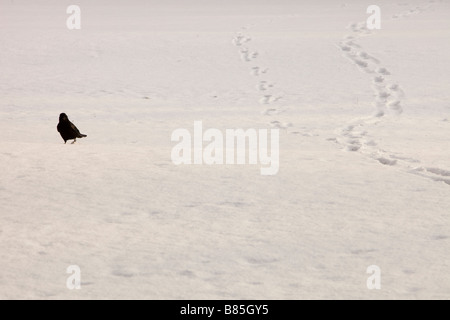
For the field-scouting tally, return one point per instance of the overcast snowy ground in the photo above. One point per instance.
(364, 177)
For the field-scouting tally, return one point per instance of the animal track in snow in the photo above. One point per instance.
(387, 98)
(366, 56)
(395, 106)
(378, 79)
(272, 111)
(387, 101)
(239, 40)
(383, 71)
(387, 162)
(411, 12)
(440, 172)
(263, 86)
(267, 99)
(361, 63)
(247, 56)
(435, 174)
(280, 125)
(257, 71)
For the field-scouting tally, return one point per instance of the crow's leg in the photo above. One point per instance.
(74, 140)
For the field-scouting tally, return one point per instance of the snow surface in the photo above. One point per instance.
(364, 118)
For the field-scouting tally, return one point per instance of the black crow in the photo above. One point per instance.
(68, 130)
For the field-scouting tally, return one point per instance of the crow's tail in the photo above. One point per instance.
(82, 136)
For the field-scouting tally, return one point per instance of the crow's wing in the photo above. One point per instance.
(74, 128)
(61, 127)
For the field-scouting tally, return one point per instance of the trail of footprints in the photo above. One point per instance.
(387, 102)
(387, 97)
(267, 89)
(416, 10)
(387, 93)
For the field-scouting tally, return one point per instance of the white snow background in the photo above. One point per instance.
(364, 118)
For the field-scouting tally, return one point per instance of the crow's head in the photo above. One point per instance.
(63, 117)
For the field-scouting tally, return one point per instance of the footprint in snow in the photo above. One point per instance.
(248, 56)
(352, 44)
(345, 48)
(280, 125)
(383, 95)
(270, 112)
(366, 56)
(378, 79)
(396, 89)
(264, 85)
(361, 64)
(353, 147)
(387, 162)
(269, 99)
(395, 106)
(440, 172)
(239, 40)
(257, 71)
(383, 71)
